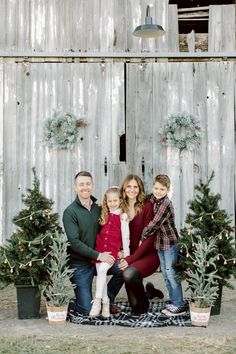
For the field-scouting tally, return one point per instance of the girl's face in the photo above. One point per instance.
(159, 190)
(132, 189)
(113, 201)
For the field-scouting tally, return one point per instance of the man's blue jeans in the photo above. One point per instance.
(116, 282)
(168, 259)
(83, 279)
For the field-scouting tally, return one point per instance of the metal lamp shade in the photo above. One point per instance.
(148, 30)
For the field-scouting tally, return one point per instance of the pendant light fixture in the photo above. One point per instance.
(148, 30)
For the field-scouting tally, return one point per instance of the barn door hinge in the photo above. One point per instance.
(143, 166)
(105, 166)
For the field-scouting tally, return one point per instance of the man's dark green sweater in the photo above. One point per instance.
(81, 227)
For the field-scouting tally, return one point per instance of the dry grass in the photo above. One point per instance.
(115, 345)
(37, 337)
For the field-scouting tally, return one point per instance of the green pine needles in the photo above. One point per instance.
(207, 221)
(58, 292)
(62, 130)
(25, 256)
(202, 278)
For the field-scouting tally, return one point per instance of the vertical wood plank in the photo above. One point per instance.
(222, 28)
(79, 19)
(92, 29)
(11, 25)
(11, 191)
(213, 127)
(172, 29)
(23, 30)
(226, 124)
(200, 109)
(3, 26)
(117, 109)
(2, 238)
(139, 121)
(160, 94)
(106, 25)
(120, 26)
(38, 25)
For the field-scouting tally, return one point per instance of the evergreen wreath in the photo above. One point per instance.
(181, 130)
(61, 130)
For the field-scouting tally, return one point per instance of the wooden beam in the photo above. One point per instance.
(191, 9)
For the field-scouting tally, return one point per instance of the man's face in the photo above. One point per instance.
(83, 187)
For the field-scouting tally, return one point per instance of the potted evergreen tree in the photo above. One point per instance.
(202, 281)
(207, 220)
(58, 291)
(25, 257)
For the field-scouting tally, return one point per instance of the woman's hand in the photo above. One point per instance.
(123, 264)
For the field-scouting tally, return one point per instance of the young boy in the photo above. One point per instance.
(163, 228)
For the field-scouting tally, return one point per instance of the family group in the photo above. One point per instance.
(127, 237)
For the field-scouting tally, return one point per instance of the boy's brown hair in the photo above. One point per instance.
(162, 179)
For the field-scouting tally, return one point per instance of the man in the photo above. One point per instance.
(81, 225)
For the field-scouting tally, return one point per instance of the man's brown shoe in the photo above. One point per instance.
(114, 309)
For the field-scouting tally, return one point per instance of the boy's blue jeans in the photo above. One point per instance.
(168, 259)
(83, 279)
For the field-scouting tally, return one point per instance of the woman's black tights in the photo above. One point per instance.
(135, 290)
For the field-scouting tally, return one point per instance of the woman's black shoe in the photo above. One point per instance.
(151, 292)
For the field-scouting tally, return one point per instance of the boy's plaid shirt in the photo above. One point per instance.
(162, 226)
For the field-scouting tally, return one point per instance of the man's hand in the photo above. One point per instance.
(106, 257)
(123, 264)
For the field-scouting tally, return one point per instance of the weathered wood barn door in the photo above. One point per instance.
(115, 98)
(30, 94)
(156, 90)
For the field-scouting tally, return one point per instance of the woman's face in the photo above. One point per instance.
(132, 189)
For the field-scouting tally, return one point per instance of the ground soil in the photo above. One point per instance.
(37, 336)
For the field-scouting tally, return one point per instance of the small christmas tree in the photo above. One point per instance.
(207, 220)
(58, 292)
(25, 257)
(203, 284)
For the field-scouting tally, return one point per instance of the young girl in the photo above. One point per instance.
(114, 234)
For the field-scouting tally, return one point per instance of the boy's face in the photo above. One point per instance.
(159, 190)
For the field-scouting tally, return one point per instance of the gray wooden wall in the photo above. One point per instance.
(84, 25)
(116, 97)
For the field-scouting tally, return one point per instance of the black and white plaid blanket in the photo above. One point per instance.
(153, 318)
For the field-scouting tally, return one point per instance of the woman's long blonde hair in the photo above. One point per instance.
(138, 206)
(105, 211)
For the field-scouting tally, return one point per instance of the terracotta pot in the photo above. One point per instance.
(199, 316)
(56, 315)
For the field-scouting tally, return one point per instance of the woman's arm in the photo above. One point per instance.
(141, 250)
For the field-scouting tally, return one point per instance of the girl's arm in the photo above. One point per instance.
(125, 234)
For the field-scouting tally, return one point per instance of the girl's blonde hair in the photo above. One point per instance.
(138, 206)
(105, 211)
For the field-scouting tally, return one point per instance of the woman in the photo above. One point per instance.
(143, 260)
